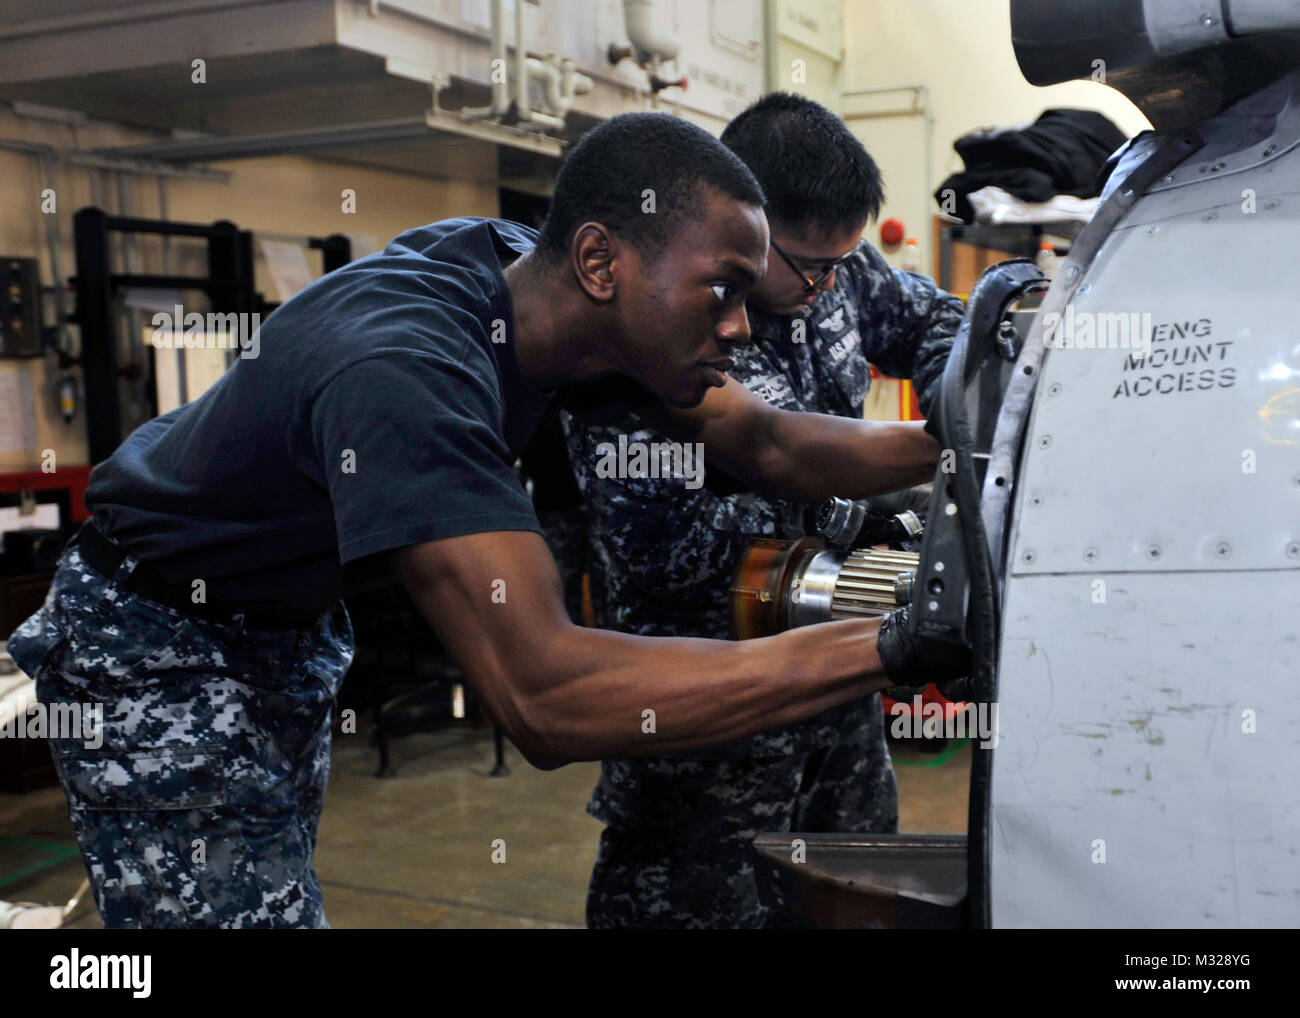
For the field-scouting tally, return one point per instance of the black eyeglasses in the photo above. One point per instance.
(810, 284)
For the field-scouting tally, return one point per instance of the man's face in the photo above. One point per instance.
(683, 310)
(783, 291)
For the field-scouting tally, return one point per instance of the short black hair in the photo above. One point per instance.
(812, 169)
(606, 174)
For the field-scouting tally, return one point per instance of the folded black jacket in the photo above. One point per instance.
(1063, 152)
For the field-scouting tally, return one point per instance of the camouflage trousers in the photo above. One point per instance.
(196, 804)
(678, 848)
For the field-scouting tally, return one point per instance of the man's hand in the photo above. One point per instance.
(913, 661)
(805, 456)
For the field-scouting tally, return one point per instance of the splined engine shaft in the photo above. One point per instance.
(780, 585)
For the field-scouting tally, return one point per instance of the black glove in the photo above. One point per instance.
(931, 426)
(913, 661)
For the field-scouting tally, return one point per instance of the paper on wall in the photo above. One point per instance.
(288, 266)
(362, 244)
(17, 413)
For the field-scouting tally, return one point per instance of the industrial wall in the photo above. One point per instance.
(288, 195)
(961, 50)
(806, 49)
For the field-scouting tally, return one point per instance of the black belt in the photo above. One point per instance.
(104, 557)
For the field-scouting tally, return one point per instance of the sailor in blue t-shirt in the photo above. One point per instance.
(373, 436)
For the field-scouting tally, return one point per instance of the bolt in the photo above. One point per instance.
(1210, 218)
(1085, 289)
(1153, 552)
(1128, 192)
(1293, 550)
(1036, 500)
(1072, 273)
(1029, 558)
(1090, 554)
(938, 567)
(1153, 231)
(1208, 20)
(1045, 441)
(950, 509)
(1270, 150)
(1217, 167)
(1202, 169)
(933, 606)
(1054, 389)
(1273, 203)
(1168, 180)
(1223, 550)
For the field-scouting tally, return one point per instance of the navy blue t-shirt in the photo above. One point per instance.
(378, 413)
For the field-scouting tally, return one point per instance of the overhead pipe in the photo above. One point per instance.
(644, 35)
(529, 119)
(561, 82)
(521, 63)
(559, 79)
(500, 88)
(651, 47)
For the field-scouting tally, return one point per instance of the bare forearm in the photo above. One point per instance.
(815, 456)
(566, 693)
(698, 692)
(808, 456)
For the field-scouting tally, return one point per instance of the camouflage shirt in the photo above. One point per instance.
(664, 551)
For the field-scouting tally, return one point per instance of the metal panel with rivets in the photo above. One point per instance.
(1150, 651)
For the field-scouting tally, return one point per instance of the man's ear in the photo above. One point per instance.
(593, 253)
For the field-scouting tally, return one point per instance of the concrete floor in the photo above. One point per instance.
(415, 850)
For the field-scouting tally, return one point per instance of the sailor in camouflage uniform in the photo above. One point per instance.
(676, 850)
(237, 728)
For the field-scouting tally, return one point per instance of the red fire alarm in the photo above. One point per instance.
(892, 232)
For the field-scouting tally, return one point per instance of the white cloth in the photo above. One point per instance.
(994, 205)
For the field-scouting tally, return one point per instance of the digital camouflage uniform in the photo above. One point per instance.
(200, 808)
(566, 538)
(676, 847)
